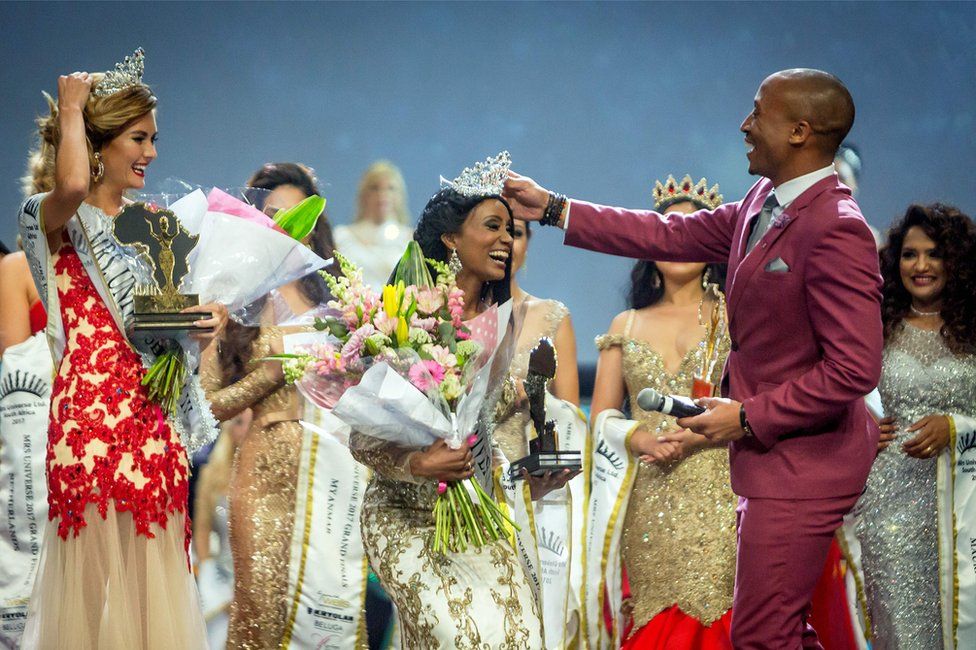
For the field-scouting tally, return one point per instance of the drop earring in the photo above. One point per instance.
(454, 262)
(705, 278)
(99, 169)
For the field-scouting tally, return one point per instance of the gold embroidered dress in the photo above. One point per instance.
(678, 545)
(261, 496)
(475, 599)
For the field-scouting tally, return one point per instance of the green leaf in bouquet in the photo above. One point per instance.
(445, 332)
(337, 328)
(299, 220)
(412, 268)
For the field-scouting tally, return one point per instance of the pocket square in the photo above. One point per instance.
(777, 266)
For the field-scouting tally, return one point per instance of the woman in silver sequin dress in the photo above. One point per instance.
(929, 375)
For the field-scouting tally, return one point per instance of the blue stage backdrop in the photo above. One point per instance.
(594, 100)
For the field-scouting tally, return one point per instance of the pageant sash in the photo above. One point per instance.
(956, 487)
(857, 605)
(611, 477)
(550, 543)
(328, 568)
(25, 395)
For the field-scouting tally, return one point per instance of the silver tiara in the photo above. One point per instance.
(126, 74)
(483, 179)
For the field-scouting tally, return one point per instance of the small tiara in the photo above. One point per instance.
(484, 179)
(698, 193)
(128, 73)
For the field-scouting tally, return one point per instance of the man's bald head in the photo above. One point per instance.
(818, 98)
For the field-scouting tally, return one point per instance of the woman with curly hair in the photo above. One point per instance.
(479, 597)
(928, 381)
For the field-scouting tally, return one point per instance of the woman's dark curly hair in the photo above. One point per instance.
(234, 351)
(445, 213)
(954, 235)
(646, 281)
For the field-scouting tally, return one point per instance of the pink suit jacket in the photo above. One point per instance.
(806, 343)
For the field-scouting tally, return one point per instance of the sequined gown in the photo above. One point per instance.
(542, 321)
(475, 599)
(679, 542)
(261, 496)
(895, 518)
(114, 570)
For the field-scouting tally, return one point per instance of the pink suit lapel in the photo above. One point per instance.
(748, 265)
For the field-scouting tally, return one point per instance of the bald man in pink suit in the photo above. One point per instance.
(804, 294)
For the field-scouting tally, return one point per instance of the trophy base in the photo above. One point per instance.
(539, 463)
(151, 317)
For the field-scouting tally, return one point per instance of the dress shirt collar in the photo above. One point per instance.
(787, 192)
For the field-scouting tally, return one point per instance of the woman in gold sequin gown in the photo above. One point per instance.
(262, 489)
(678, 542)
(480, 597)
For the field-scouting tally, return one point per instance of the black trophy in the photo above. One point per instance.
(162, 243)
(544, 453)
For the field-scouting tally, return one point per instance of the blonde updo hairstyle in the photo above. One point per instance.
(105, 119)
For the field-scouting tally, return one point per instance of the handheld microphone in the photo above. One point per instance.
(675, 405)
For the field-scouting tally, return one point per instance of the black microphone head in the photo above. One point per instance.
(650, 400)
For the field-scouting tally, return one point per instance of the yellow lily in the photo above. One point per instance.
(391, 300)
(402, 331)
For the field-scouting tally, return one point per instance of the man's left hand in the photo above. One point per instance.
(720, 423)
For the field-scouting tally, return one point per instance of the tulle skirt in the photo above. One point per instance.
(109, 589)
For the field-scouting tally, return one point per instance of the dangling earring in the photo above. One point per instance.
(705, 277)
(656, 280)
(100, 169)
(454, 262)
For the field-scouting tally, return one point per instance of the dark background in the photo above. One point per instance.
(593, 99)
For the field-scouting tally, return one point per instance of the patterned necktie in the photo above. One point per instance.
(761, 223)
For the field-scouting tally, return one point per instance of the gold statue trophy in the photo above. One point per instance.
(715, 327)
(162, 243)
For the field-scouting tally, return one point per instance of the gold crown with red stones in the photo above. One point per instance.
(687, 190)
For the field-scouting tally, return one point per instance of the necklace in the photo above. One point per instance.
(919, 312)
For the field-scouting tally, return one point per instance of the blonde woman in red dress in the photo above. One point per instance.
(114, 571)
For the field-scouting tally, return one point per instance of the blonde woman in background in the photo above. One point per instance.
(379, 233)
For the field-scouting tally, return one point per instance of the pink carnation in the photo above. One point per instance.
(426, 324)
(352, 350)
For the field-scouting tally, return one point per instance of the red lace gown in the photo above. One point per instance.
(114, 570)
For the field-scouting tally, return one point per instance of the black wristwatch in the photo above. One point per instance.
(743, 422)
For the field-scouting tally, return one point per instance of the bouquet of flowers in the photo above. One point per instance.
(401, 366)
(241, 255)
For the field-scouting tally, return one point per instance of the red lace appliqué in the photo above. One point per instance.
(124, 454)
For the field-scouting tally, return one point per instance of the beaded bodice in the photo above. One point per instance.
(678, 542)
